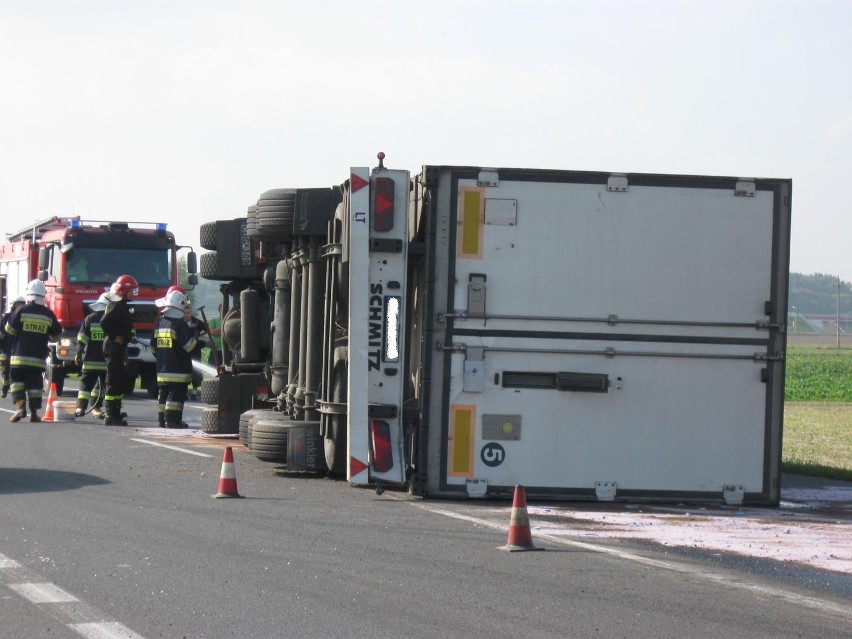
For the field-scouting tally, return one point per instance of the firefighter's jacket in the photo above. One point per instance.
(31, 327)
(90, 342)
(172, 344)
(117, 321)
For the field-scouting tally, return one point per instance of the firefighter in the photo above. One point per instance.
(172, 344)
(89, 358)
(6, 344)
(117, 325)
(196, 327)
(31, 327)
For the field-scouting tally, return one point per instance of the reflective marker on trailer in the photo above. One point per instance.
(380, 446)
(356, 466)
(383, 194)
(357, 182)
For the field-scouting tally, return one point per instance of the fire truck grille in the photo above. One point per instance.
(144, 314)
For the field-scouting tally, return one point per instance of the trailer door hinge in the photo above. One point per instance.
(733, 494)
(745, 188)
(488, 178)
(476, 487)
(606, 490)
(617, 183)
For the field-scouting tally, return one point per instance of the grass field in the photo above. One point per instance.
(818, 412)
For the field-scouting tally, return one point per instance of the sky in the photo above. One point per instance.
(185, 111)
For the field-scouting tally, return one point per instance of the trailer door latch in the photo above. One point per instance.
(476, 295)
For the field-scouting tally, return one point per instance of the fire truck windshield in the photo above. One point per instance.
(103, 265)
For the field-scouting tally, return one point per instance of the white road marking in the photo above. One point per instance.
(181, 450)
(85, 620)
(42, 593)
(104, 631)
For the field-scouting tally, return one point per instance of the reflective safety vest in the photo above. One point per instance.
(172, 344)
(31, 327)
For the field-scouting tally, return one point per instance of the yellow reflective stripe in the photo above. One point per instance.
(174, 378)
(29, 362)
(462, 431)
(471, 222)
(190, 345)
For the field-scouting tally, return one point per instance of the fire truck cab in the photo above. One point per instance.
(78, 260)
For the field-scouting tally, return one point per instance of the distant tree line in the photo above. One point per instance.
(818, 294)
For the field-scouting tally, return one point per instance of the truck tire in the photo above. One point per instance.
(250, 416)
(251, 222)
(269, 439)
(245, 420)
(207, 236)
(210, 420)
(210, 391)
(335, 439)
(207, 265)
(210, 269)
(275, 229)
(285, 196)
(275, 213)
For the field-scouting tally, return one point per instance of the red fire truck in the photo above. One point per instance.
(78, 260)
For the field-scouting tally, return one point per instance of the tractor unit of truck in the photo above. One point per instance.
(78, 260)
(462, 331)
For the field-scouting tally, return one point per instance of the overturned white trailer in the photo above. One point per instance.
(601, 336)
(588, 335)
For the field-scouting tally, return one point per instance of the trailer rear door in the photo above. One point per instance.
(608, 336)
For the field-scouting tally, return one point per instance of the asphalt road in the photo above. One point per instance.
(112, 532)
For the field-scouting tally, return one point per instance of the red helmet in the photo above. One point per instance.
(125, 286)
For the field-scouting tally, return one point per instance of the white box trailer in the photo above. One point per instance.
(587, 335)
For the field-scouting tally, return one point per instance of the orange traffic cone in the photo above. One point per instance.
(228, 477)
(49, 415)
(520, 535)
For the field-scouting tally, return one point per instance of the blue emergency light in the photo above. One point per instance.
(161, 226)
(75, 224)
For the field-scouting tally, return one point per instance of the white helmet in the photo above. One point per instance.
(18, 300)
(173, 303)
(100, 304)
(36, 291)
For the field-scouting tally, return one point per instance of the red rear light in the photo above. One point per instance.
(383, 204)
(380, 444)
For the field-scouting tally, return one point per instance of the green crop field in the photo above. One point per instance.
(819, 374)
(818, 412)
